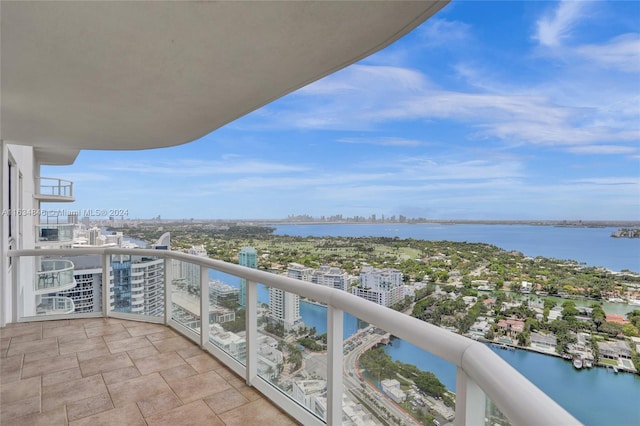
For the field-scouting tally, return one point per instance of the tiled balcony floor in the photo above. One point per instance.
(105, 371)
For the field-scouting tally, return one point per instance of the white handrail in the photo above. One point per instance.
(515, 396)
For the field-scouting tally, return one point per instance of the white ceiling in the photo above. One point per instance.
(138, 75)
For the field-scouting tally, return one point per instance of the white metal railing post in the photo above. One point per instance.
(251, 327)
(16, 311)
(168, 273)
(470, 401)
(106, 286)
(204, 305)
(335, 319)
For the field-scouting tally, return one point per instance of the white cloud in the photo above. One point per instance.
(190, 167)
(603, 149)
(621, 53)
(383, 141)
(554, 28)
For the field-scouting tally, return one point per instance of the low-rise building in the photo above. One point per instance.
(614, 350)
(391, 388)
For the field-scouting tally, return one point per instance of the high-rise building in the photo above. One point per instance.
(284, 309)
(382, 286)
(332, 277)
(248, 256)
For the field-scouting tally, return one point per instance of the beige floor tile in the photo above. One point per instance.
(144, 329)
(19, 408)
(137, 389)
(259, 412)
(176, 373)
(11, 368)
(120, 375)
(126, 415)
(137, 342)
(61, 376)
(49, 365)
(173, 344)
(63, 330)
(117, 336)
(30, 337)
(89, 406)
(204, 362)
(143, 352)
(103, 330)
(55, 324)
(190, 352)
(105, 363)
(248, 392)
(164, 334)
(193, 414)
(32, 346)
(93, 353)
(159, 403)
(23, 389)
(75, 390)
(199, 386)
(20, 329)
(54, 417)
(225, 400)
(47, 353)
(158, 362)
(72, 337)
(82, 345)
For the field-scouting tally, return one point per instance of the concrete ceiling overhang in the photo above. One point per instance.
(139, 75)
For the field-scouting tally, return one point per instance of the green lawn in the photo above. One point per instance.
(609, 361)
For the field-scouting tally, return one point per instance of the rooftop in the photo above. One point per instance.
(110, 371)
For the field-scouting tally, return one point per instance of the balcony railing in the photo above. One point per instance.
(54, 275)
(55, 305)
(483, 380)
(54, 190)
(54, 232)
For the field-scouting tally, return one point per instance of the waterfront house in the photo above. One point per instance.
(614, 350)
(511, 326)
(618, 319)
(546, 342)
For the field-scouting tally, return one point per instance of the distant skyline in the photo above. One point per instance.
(490, 110)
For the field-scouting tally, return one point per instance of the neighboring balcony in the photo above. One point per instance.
(54, 233)
(54, 276)
(54, 190)
(55, 305)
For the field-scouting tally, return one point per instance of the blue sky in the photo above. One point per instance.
(489, 110)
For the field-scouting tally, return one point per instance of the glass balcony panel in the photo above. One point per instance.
(292, 355)
(55, 189)
(137, 285)
(54, 275)
(394, 381)
(185, 294)
(54, 232)
(54, 305)
(87, 293)
(227, 314)
(493, 416)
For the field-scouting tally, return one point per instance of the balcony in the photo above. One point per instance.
(55, 305)
(54, 233)
(53, 276)
(54, 190)
(487, 388)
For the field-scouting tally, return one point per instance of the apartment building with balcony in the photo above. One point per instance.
(145, 75)
(381, 286)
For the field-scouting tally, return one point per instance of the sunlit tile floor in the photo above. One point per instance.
(105, 371)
